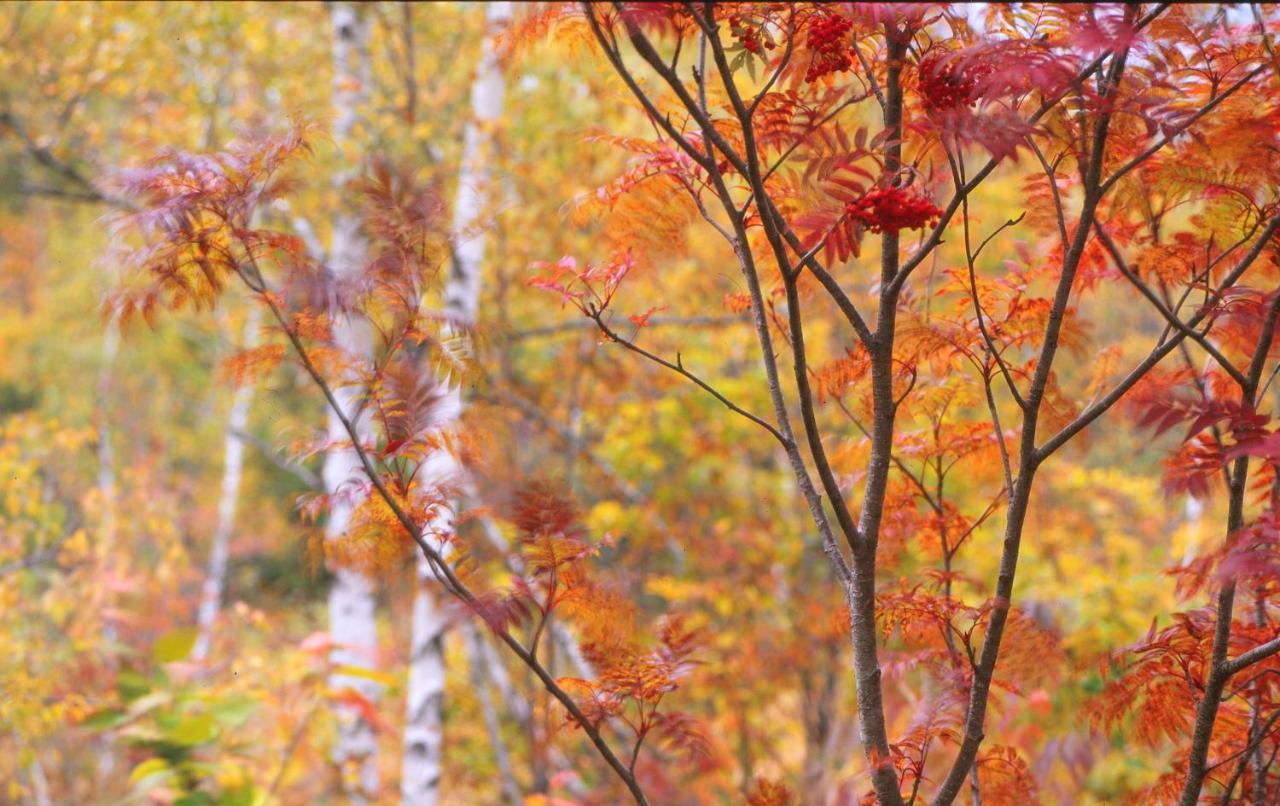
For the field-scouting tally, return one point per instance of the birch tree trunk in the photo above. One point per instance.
(352, 623)
(107, 548)
(423, 739)
(232, 469)
(106, 458)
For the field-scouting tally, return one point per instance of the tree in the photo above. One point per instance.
(353, 627)
(420, 779)
(817, 291)
(195, 216)
(1223, 408)
(1096, 113)
(232, 470)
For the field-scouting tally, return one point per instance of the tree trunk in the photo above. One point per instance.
(1218, 676)
(106, 459)
(1258, 758)
(232, 467)
(352, 623)
(423, 738)
(107, 548)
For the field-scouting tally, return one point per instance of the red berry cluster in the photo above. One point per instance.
(893, 209)
(946, 83)
(828, 39)
(749, 36)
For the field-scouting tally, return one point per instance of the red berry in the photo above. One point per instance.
(951, 84)
(893, 210)
(828, 40)
(747, 36)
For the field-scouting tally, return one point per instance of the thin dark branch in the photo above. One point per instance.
(302, 472)
(935, 236)
(1173, 321)
(957, 170)
(440, 567)
(653, 321)
(1164, 141)
(678, 368)
(1166, 344)
(87, 190)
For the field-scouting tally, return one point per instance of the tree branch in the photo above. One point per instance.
(445, 573)
(597, 316)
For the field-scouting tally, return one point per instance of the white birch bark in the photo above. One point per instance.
(106, 456)
(423, 739)
(229, 496)
(352, 622)
(107, 548)
(1193, 517)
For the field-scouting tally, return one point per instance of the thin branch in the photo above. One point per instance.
(597, 316)
(999, 429)
(782, 64)
(812, 433)
(1164, 141)
(1165, 345)
(824, 120)
(871, 75)
(88, 190)
(935, 236)
(45, 556)
(615, 58)
(295, 739)
(1175, 322)
(957, 170)
(1050, 172)
(1244, 751)
(302, 472)
(444, 572)
(653, 321)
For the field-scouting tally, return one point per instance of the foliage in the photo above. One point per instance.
(868, 402)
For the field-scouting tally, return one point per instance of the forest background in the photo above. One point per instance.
(199, 606)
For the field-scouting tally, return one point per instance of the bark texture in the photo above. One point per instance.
(423, 737)
(352, 622)
(229, 496)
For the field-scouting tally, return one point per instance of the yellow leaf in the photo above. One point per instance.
(152, 767)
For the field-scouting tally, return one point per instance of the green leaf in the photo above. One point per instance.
(193, 730)
(132, 685)
(233, 712)
(174, 645)
(106, 718)
(140, 734)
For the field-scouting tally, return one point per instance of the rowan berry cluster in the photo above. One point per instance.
(828, 39)
(946, 83)
(749, 36)
(892, 210)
